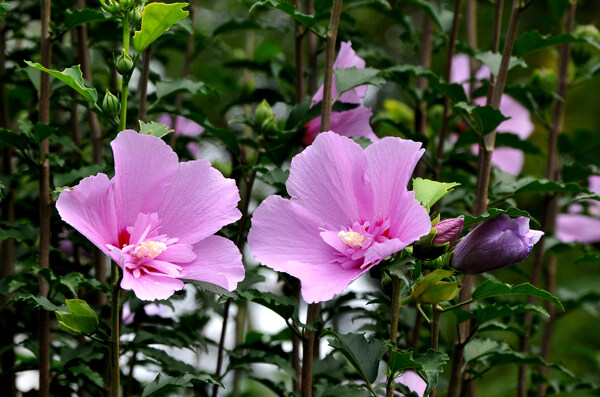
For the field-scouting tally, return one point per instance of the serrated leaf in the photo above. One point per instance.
(399, 361)
(72, 77)
(363, 354)
(304, 19)
(483, 119)
(491, 312)
(428, 192)
(163, 383)
(80, 318)
(20, 232)
(534, 40)
(349, 78)
(432, 363)
(480, 347)
(69, 178)
(14, 139)
(78, 17)
(165, 88)
(285, 306)
(491, 288)
(157, 18)
(209, 287)
(155, 129)
(38, 301)
(492, 61)
(496, 212)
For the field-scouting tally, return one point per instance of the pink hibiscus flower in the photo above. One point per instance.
(185, 127)
(351, 123)
(507, 159)
(577, 227)
(349, 209)
(156, 218)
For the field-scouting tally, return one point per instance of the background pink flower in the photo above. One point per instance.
(349, 209)
(507, 159)
(351, 123)
(156, 218)
(577, 227)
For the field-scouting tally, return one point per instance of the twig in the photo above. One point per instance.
(550, 209)
(143, 84)
(310, 337)
(45, 201)
(299, 55)
(394, 311)
(435, 334)
(312, 45)
(115, 373)
(446, 114)
(421, 110)
(334, 21)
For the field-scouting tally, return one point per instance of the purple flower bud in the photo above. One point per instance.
(448, 231)
(495, 244)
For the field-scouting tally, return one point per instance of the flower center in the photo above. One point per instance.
(150, 249)
(352, 239)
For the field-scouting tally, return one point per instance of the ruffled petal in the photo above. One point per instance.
(150, 287)
(577, 228)
(322, 282)
(408, 219)
(379, 251)
(198, 203)
(329, 179)
(178, 253)
(218, 261)
(144, 168)
(283, 231)
(90, 208)
(390, 164)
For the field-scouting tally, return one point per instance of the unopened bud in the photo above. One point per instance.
(126, 5)
(111, 104)
(264, 117)
(124, 64)
(582, 52)
(135, 15)
(431, 289)
(109, 7)
(448, 231)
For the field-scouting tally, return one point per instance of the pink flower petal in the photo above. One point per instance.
(508, 159)
(282, 231)
(460, 72)
(183, 126)
(413, 381)
(89, 207)
(150, 287)
(379, 251)
(329, 178)
(198, 202)
(577, 228)
(178, 253)
(218, 261)
(408, 219)
(351, 123)
(144, 168)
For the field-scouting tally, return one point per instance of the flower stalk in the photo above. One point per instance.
(395, 311)
(125, 79)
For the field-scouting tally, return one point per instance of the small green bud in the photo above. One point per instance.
(111, 104)
(124, 64)
(546, 81)
(583, 51)
(431, 289)
(135, 15)
(264, 117)
(399, 111)
(109, 7)
(126, 5)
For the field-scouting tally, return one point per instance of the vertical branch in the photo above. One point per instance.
(312, 315)
(334, 21)
(435, 334)
(115, 373)
(421, 110)
(185, 70)
(312, 45)
(299, 58)
(45, 202)
(471, 27)
(7, 268)
(143, 84)
(446, 114)
(241, 239)
(483, 179)
(550, 209)
(395, 311)
(125, 79)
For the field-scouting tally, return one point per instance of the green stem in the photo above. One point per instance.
(395, 311)
(115, 332)
(125, 79)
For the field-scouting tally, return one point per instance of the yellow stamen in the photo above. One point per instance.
(151, 249)
(353, 239)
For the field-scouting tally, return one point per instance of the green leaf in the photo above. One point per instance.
(416, 70)
(215, 289)
(513, 141)
(81, 371)
(228, 137)
(78, 17)
(494, 213)
(479, 347)
(349, 78)
(432, 363)
(153, 128)
(483, 119)
(14, 139)
(303, 19)
(487, 313)
(157, 18)
(285, 306)
(166, 88)
(41, 131)
(363, 355)
(163, 383)
(399, 361)
(534, 40)
(428, 192)
(540, 185)
(80, 318)
(491, 288)
(71, 77)
(69, 178)
(492, 61)
(38, 301)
